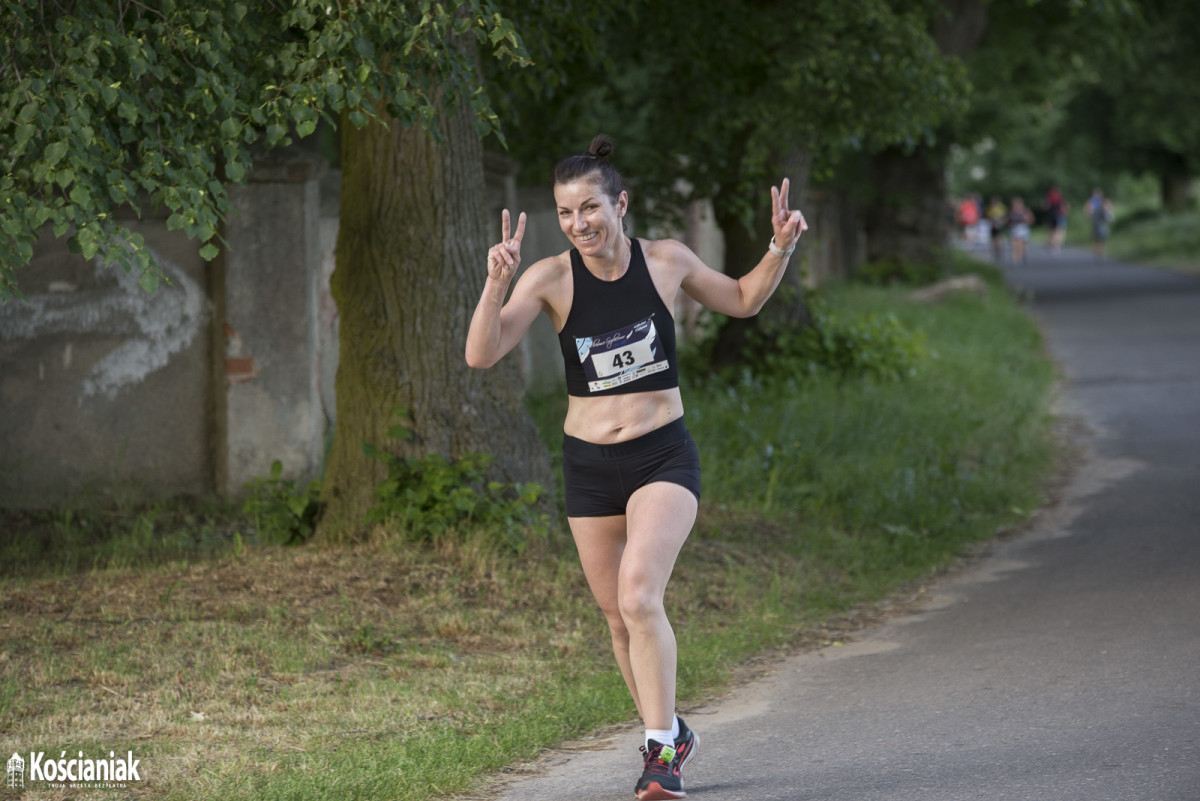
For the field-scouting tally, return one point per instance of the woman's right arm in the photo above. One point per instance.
(496, 326)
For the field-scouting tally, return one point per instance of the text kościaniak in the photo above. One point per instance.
(112, 768)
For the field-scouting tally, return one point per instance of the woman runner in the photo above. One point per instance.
(631, 471)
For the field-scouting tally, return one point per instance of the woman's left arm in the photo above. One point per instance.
(745, 296)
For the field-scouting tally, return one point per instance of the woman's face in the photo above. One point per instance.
(588, 217)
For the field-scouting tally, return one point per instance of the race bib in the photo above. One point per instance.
(621, 356)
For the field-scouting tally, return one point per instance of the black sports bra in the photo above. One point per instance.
(619, 336)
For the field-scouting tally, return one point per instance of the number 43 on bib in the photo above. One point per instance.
(621, 356)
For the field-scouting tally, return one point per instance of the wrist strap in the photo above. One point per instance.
(778, 251)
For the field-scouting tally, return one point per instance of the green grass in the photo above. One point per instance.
(1147, 235)
(891, 478)
(1163, 240)
(66, 541)
(394, 671)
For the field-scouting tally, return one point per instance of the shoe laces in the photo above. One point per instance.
(657, 761)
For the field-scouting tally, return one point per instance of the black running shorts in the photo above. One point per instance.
(598, 480)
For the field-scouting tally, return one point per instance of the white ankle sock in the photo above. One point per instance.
(660, 736)
(664, 736)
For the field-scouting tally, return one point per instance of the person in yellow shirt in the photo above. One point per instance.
(997, 217)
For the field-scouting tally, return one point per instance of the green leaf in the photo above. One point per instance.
(149, 281)
(209, 252)
(231, 128)
(55, 152)
(80, 196)
(24, 134)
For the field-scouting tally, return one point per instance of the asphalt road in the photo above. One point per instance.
(1063, 666)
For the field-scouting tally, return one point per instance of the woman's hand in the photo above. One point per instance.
(505, 258)
(788, 225)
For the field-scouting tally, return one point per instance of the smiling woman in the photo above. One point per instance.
(631, 470)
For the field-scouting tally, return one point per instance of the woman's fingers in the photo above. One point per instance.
(779, 200)
(506, 255)
(794, 226)
(520, 227)
(501, 256)
(506, 228)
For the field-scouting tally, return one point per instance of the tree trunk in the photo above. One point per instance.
(958, 30)
(411, 257)
(906, 215)
(1176, 189)
(744, 249)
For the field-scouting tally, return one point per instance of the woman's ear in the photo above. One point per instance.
(622, 203)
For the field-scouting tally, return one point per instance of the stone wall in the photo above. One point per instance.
(105, 389)
(109, 393)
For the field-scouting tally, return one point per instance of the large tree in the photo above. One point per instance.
(408, 255)
(1018, 54)
(111, 104)
(710, 99)
(1136, 104)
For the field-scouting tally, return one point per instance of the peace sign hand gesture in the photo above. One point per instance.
(788, 225)
(504, 258)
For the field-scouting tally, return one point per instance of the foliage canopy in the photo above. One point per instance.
(733, 87)
(107, 105)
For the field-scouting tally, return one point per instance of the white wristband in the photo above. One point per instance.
(778, 251)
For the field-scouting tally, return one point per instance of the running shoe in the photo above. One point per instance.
(661, 779)
(685, 744)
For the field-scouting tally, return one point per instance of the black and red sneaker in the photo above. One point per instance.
(661, 779)
(685, 744)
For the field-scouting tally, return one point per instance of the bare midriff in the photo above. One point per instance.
(620, 418)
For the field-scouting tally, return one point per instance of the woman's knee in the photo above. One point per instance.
(616, 622)
(639, 605)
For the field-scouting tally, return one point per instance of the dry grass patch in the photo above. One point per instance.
(281, 650)
(220, 673)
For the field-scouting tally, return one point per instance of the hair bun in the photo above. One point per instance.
(601, 146)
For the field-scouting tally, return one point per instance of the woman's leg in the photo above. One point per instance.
(658, 520)
(627, 561)
(600, 542)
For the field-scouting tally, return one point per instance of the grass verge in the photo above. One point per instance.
(1163, 240)
(1148, 236)
(401, 672)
